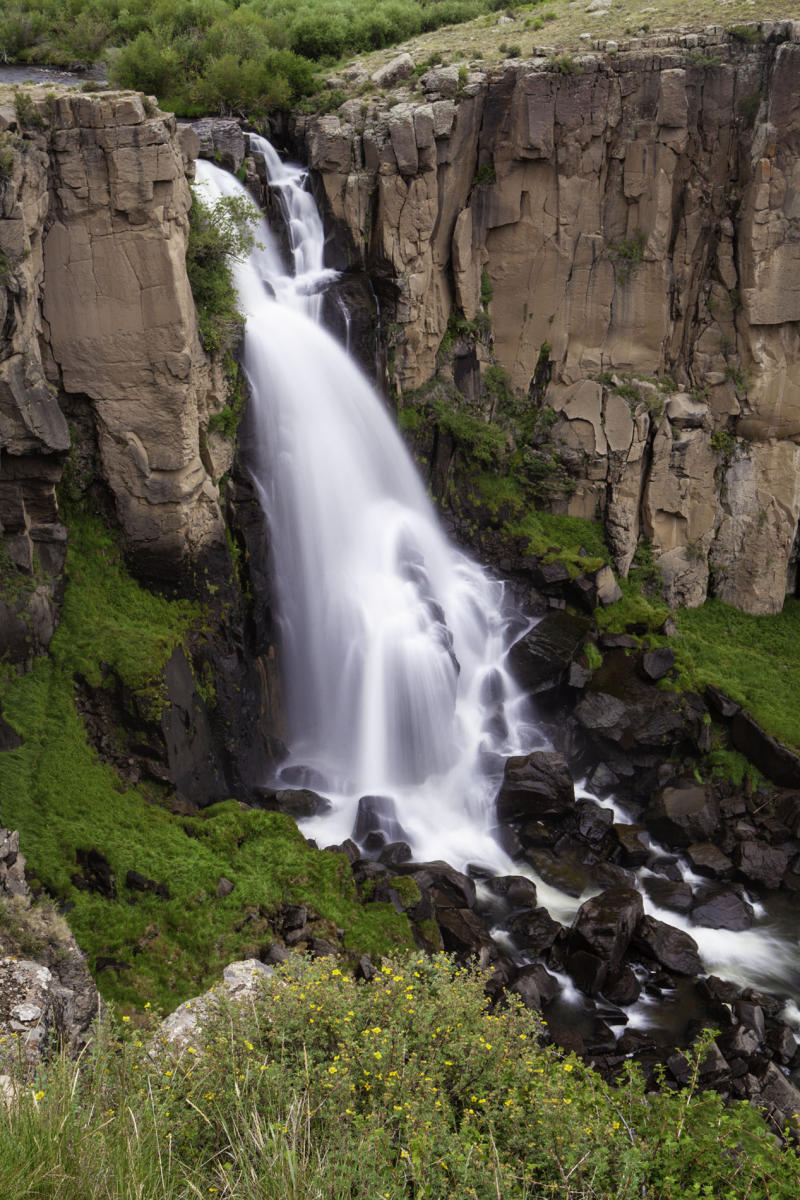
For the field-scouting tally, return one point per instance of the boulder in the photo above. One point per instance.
(377, 814)
(448, 887)
(394, 71)
(670, 947)
(722, 908)
(541, 659)
(683, 815)
(535, 786)
(534, 930)
(658, 663)
(517, 890)
(535, 986)
(242, 982)
(707, 859)
(605, 924)
(633, 845)
(761, 863)
(667, 893)
(776, 761)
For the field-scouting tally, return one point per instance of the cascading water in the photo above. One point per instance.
(392, 642)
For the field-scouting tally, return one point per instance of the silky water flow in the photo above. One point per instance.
(392, 642)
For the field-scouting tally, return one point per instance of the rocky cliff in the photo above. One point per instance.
(630, 221)
(98, 330)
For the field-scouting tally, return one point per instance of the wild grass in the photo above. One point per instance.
(405, 1086)
(116, 635)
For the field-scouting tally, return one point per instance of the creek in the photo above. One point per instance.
(400, 707)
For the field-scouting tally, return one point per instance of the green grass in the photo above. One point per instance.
(63, 799)
(576, 542)
(753, 659)
(405, 1086)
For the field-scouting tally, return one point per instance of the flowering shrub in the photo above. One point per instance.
(406, 1086)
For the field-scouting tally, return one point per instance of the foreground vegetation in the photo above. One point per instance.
(116, 637)
(405, 1086)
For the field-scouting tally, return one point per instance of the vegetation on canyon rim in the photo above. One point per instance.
(408, 1085)
(200, 56)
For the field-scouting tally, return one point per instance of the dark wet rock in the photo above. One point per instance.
(658, 663)
(761, 863)
(462, 931)
(534, 930)
(775, 1089)
(720, 703)
(771, 1005)
(670, 947)
(535, 986)
(611, 875)
(738, 1042)
(539, 833)
(300, 803)
(777, 762)
(541, 659)
(140, 883)
(603, 780)
(600, 1039)
(618, 641)
(366, 869)
(95, 874)
(365, 968)
(634, 1040)
(448, 887)
(377, 814)
(707, 859)
(750, 1016)
(782, 1043)
(713, 1067)
(681, 816)
(535, 786)
(322, 948)
(516, 890)
(374, 842)
(594, 822)
(394, 853)
(276, 953)
(560, 871)
(578, 676)
(300, 776)
(603, 714)
(605, 924)
(587, 970)
(722, 908)
(622, 987)
(666, 893)
(668, 867)
(633, 845)
(714, 988)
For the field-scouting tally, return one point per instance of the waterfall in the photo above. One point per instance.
(400, 708)
(392, 642)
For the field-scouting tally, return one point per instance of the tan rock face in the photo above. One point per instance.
(641, 219)
(94, 221)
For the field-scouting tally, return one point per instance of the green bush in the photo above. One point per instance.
(218, 234)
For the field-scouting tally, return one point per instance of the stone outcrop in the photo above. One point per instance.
(48, 999)
(635, 221)
(97, 321)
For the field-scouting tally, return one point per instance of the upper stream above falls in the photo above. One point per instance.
(401, 709)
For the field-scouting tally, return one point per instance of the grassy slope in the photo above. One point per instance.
(62, 799)
(557, 26)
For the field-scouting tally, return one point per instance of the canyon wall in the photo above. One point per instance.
(98, 331)
(634, 215)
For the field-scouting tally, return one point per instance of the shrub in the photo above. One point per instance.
(626, 255)
(217, 234)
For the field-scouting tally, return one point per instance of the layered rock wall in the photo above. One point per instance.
(97, 320)
(635, 217)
